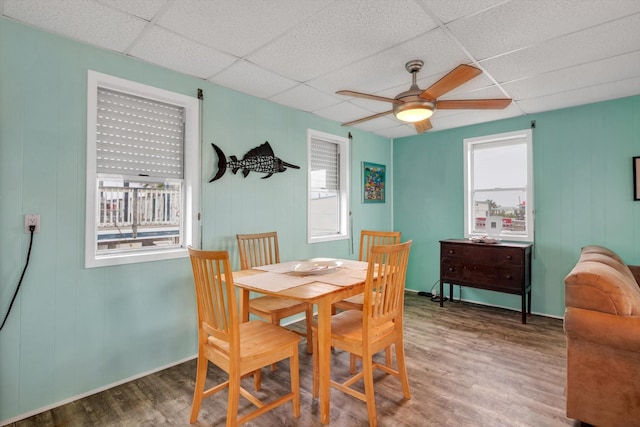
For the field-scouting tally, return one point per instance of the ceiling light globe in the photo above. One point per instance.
(413, 111)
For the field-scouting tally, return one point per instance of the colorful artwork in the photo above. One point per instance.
(373, 181)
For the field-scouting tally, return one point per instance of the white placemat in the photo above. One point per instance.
(343, 277)
(354, 265)
(274, 282)
(283, 267)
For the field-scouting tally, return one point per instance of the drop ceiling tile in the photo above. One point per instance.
(343, 112)
(623, 67)
(237, 27)
(342, 34)
(387, 70)
(170, 50)
(145, 9)
(304, 98)
(620, 89)
(577, 48)
(397, 131)
(450, 10)
(246, 77)
(519, 24)
(83, 20)
(377, 124)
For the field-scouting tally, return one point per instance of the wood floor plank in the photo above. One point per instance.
(468, 365)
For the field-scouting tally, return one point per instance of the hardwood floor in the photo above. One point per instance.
(468, 365)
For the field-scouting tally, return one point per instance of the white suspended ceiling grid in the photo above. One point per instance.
(544, 54)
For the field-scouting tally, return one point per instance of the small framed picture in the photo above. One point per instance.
(373, 182)
(636, 178)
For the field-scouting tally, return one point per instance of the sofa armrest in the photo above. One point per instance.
(620, 332)
(635, 270)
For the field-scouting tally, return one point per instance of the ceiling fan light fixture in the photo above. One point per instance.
(413, 111)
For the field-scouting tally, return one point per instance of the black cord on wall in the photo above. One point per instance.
(32, 228)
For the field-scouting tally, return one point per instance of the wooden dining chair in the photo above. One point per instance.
(378, 326)
(238, 348)
(262, 249)
(368, 238)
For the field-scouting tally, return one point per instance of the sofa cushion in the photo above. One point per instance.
(601, 250)
(599, 286)
(605, 256)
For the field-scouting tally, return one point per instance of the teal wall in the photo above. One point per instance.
(74, 330)
(583, 185)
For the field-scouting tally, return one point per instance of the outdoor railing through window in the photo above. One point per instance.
(133, 217)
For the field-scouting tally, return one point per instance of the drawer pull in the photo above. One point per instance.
(451, 251)
(509, 276)
(509, 257)
(450, 268)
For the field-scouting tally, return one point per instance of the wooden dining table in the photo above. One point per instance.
(317, 290)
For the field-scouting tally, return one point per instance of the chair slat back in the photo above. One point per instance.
(369, 238)
(384, 286)
(258, 249)
(215, 296)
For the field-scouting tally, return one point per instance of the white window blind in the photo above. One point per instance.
(328, 187)
(325, 163)
(139, 136)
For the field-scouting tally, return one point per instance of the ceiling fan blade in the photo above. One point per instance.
(368, 96)
(456, 77)
(423, 126)
(364, 119)
(473, 104)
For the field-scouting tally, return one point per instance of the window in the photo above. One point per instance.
(499, 186)
(142, 172)
(328, 183)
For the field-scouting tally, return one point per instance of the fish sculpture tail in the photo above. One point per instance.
(222, 163)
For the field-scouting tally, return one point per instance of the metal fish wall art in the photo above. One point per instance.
(259, 159)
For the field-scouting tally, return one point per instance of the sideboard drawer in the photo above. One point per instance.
(452, 269)
(495, 256)
(508, 279)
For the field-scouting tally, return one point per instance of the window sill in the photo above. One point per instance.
(136, 257)
(330, 238)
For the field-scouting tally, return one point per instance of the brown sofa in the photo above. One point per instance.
(602, 326)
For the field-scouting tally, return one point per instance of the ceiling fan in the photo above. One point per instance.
(416, 105)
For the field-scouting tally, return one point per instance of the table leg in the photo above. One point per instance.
(244, 305)
(524, 308)
(324, 358)
(441, 294)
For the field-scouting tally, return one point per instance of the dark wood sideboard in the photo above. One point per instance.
(501, 267)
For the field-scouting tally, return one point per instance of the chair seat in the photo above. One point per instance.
(352, 303)
(280, 307)
(258, 338)
(346, 326)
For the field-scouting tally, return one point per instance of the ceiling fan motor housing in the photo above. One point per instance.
(413, 108)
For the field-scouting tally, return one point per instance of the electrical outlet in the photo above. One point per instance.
(30, 220)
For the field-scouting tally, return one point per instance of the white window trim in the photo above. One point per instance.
(345, 172)
(191, 171)
(527, 134)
